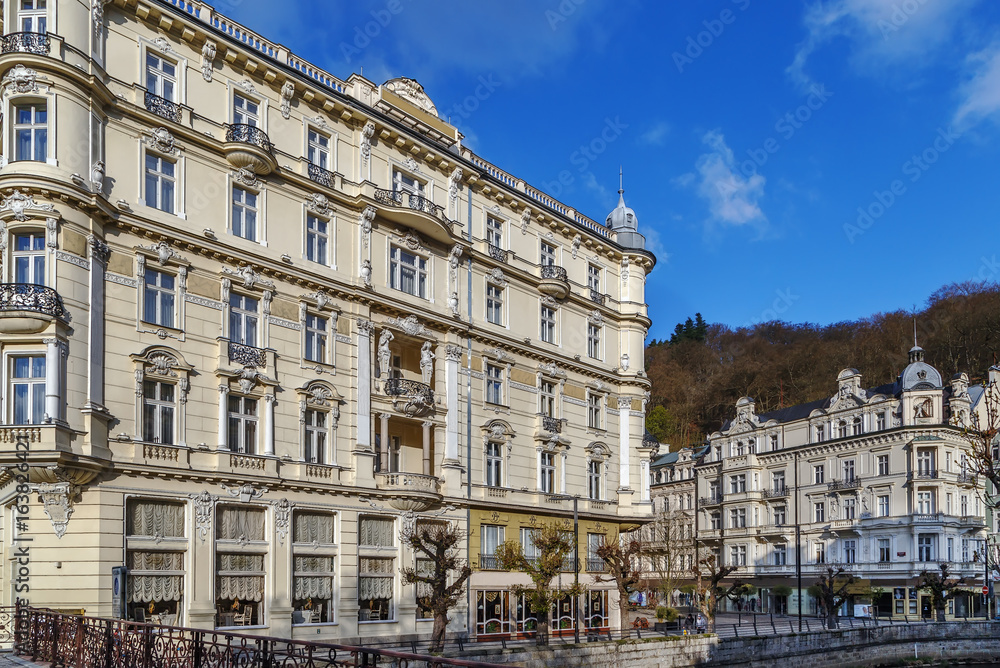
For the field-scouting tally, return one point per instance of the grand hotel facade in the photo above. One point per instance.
(257, 320)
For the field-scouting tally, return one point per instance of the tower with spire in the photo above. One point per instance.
(623, 222)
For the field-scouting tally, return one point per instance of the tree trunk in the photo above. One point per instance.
(831, 619)
(542, 635)
(440, 628)
(624, 607)
(940, 614)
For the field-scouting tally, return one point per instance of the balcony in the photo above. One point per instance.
(710, 500)
(923, 474)
(489, 563)
(596, 565)
(414, 201)
(497, 253)
(554, 281)
(29, 309)
(551, 424)
(163, 107)
(317, 174)
(25, 42)
(568, 565)
(848, 484)
(597, 297)
(777, 492)
(247, 147)
(409, 491)
(247, 356)
(967, 479)
(410, 397)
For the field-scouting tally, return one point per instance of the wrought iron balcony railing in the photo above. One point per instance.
(595, 565)
(710, 500)
(488, 563)
(402, 387)
(29, 297)
(597, 297)
(247, 356)
(969, 478)
(924, 474)
(324, 177)
(776, 492)
(163, 107)
(414, 201)
(497, 253)
(849, 483)
(248, 134)
(553, 272)
(25, 42)
(551, 424)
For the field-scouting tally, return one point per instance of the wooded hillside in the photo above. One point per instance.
(700, 373)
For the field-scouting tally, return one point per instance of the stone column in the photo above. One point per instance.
(644, 481)
(269, 424)
(223, 417)
(202, 569)
(427, 446)
(538, 469)
(452, 357)
(364, 412)
(562, 474)
(53, 374)
(624, 445)
(384, 437)
(99, 254)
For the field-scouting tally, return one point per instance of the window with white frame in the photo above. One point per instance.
(882, 505)
(925, 502)
(494, 464)
(594, 476)
(847, 468)
(964, 503)
(161, 76)
(158, 298)
(547, 398)
(547, 254)
(925, 462)
(245, 111)
(318, 149)
(842, 429)
(528, 548)
(738, 483)
(780, 554)
(950, 554)
(548, 473)
(317, 337)
(376, 581)
(925, 546)
(159, 408)
(856, 426)
(315, 436)
(547, 330)
(820, 553)
(773, 438)
(819, 511)
(243, 423)
(245, 213)
(819, 474)
(243, 319)
(32, 16)
(491, 537)
(850, 551)
(495, 384)
(715, 521)
(314, 554)
(882, 464)
(850, 508)
(595, 410)
(402, 181)
(738, 555)
(780, 514)
(155, 547)
(593, 341)
(594, 277)
(241, 551)
(820, 432)
(494, 303)
(27, 389)
(407, 272)
(778, 481)
(317, 239)
(884, 550)
(29, 258)
(160, 183)
(494, 232)
(31, 131)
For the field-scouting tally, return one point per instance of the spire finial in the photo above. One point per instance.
(914, 332)
(621, 187)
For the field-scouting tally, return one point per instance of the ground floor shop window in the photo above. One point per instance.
(563, 614)
(595, 610)
(375, 589)
(492, 612)
(525, 618)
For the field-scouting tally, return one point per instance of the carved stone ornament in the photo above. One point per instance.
(549, 301)
(282, 518)
(19, 204)
(207, 58)
(454, 305)
(498, 354)
(164, 253)
(319, 203)
(410, 239)
(412, 165)
(366, 140)
(625, 263)
(97, 17)
(496, 277)
(97, 173)
(525, 219)
(624, 403)
(319, 122)
(365, 221)
(51, 232)
(412, 92)
(21, 79)
(577, 240)
(250, 277)
(595, 318)
(57, 502)
(494, 209)
(246, 177)
(410, 325)
(321, 298)
(245, 492)
(366, 272)
(452, 353)
(247, 85)
(625, 362)
(247, 378)
(99, 250)
(287, 92)
(161, 140)
(366, 328)
(454, 256)
(453, 183)
(598, 385)
(162, 44)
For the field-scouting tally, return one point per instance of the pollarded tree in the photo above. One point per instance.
(623, 557)
(708, 582)
(553, 545)
(832, 591)
(441, 573)
(941, 588)
(665, 545)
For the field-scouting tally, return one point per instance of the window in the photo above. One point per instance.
(850, 508)
(780, 554)
(547, 254)
(491, 537)
(548, 324)
(245, 111)
(594, 277)
(33, 16)
(882, 463)
(160, 183)
(547, 398)
(819, 476)
(884, 550)
(948, 505)
(317, 334)
(883, 505)
(155, 544)
(842, 429)
(820, 553)
(737, 483)
(407, 272)
(925, 547)
(738, 555)
(315, 445)
(819, 510)
(925, 463)
(240, 564)
(964, 503)
(528, 544)
(738, 518)
(244, 213)
(965, 550)
(880, 420)
(850, 551)
(29, 258)
(494, 304)
(28, 389)
(848, 469)
(161, 77)
(158, 412)
(314, 556)
(595, 411)
(243, 425)
(318, 149)
(317, 240)
(158, 298)
(494, 232)
(594, 480)
(404, 182)
(594, 341)
(494, 464)
(31, 132)
(819, 432)
(376, 575)
(548, 464)
(243, 319)
(774, 442)
(779, 516)
(494, 384)
(778, 481)
(951, 549)
(856, 426)
(716, 520)
(925, 502)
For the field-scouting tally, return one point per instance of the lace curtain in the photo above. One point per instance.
(424, 567)
(241, 576)
(314, 528)
(236, 523)
(155, 518)
(144, 586)
(374, 588)
(376, 532)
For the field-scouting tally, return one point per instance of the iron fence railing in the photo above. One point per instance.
(30, 297)
(25, 42)
(317, 174)
(248, 134)
(162, 107)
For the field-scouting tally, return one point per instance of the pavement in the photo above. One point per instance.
(8, 660)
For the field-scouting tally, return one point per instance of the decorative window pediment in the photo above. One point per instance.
(321, 395)
(162, 363)
(598, 451)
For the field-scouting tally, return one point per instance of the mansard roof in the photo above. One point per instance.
(802, 411)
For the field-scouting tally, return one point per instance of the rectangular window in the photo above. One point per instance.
(407, 272)
(925, 502)
(547, 398)
(547, 254)
(31, 132)
(32, 16)
(243, 425)
(964, 503)
(856, 427)
(716, 521)
(28, 389)
(494, 304)
(848, 469)
(404, 182)
(594, 480)
(317, 240)
(491, 537)
(376, 585)
(315, 445)
(494, 464)
(244, 213)
(951, 549)
(245, 111)
(738, 555)
(948, 505)
(965, 550)
(494, 385)
(154, 538)
(779, 516)
(819, 474)
(158, 412)
(494, 232)
(737, 518)
(314, 575)
(819, 510)
(820, 432)
(780, 555)
(376, 532)
(318, 149)
(883, 505)
(884, 550)
(774, 442)
(528, 544)
(595, 411)
(243, 319)
(850, 508)
(240, 569)
(850, 551)
(925, 547)
(820, 553)
(594, 277)
(161, 77)
(160, 183)
(925, 463)
(548, 473)
(594, 341)
(317, 334)
(880, 421)
(882, 463)
(158, 298)
(778, 481)
(548, 324)
(29, 258)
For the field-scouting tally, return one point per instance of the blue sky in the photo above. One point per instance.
(800, 160)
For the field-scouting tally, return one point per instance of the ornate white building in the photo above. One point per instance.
(256, 319)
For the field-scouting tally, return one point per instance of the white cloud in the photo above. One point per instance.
(656, 135)
(731, 197)
(981, 92)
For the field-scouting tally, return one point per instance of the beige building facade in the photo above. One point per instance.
(257, 320)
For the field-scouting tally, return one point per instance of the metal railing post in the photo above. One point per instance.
(78, 650)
